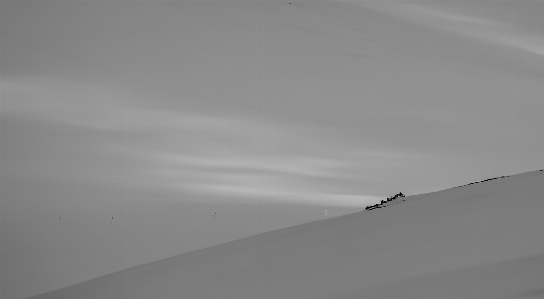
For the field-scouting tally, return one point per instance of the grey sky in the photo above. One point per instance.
(142, 108)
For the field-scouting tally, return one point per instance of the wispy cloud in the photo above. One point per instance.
(61, 101)
(225, 157)
(278, 178)
(436, 15)
(470, 25)
(528, 42)
(281, 177)
(296, 165)
(261, 193)
(95, 107)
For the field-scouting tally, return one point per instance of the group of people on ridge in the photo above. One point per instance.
(385, 201)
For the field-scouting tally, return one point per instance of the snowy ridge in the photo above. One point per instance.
(482, 241)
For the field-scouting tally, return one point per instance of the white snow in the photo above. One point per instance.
(483, 240)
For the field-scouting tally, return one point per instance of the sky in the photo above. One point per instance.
(162, 113)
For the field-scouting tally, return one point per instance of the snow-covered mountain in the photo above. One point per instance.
(482, 240)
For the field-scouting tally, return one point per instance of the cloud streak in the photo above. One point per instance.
(221, 157)
(95, 107)
(475, 27)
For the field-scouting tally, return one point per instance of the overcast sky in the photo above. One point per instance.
(164, 112)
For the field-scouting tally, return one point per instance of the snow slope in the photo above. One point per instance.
(481, 241)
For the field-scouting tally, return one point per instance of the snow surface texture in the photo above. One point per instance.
(479, 241)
